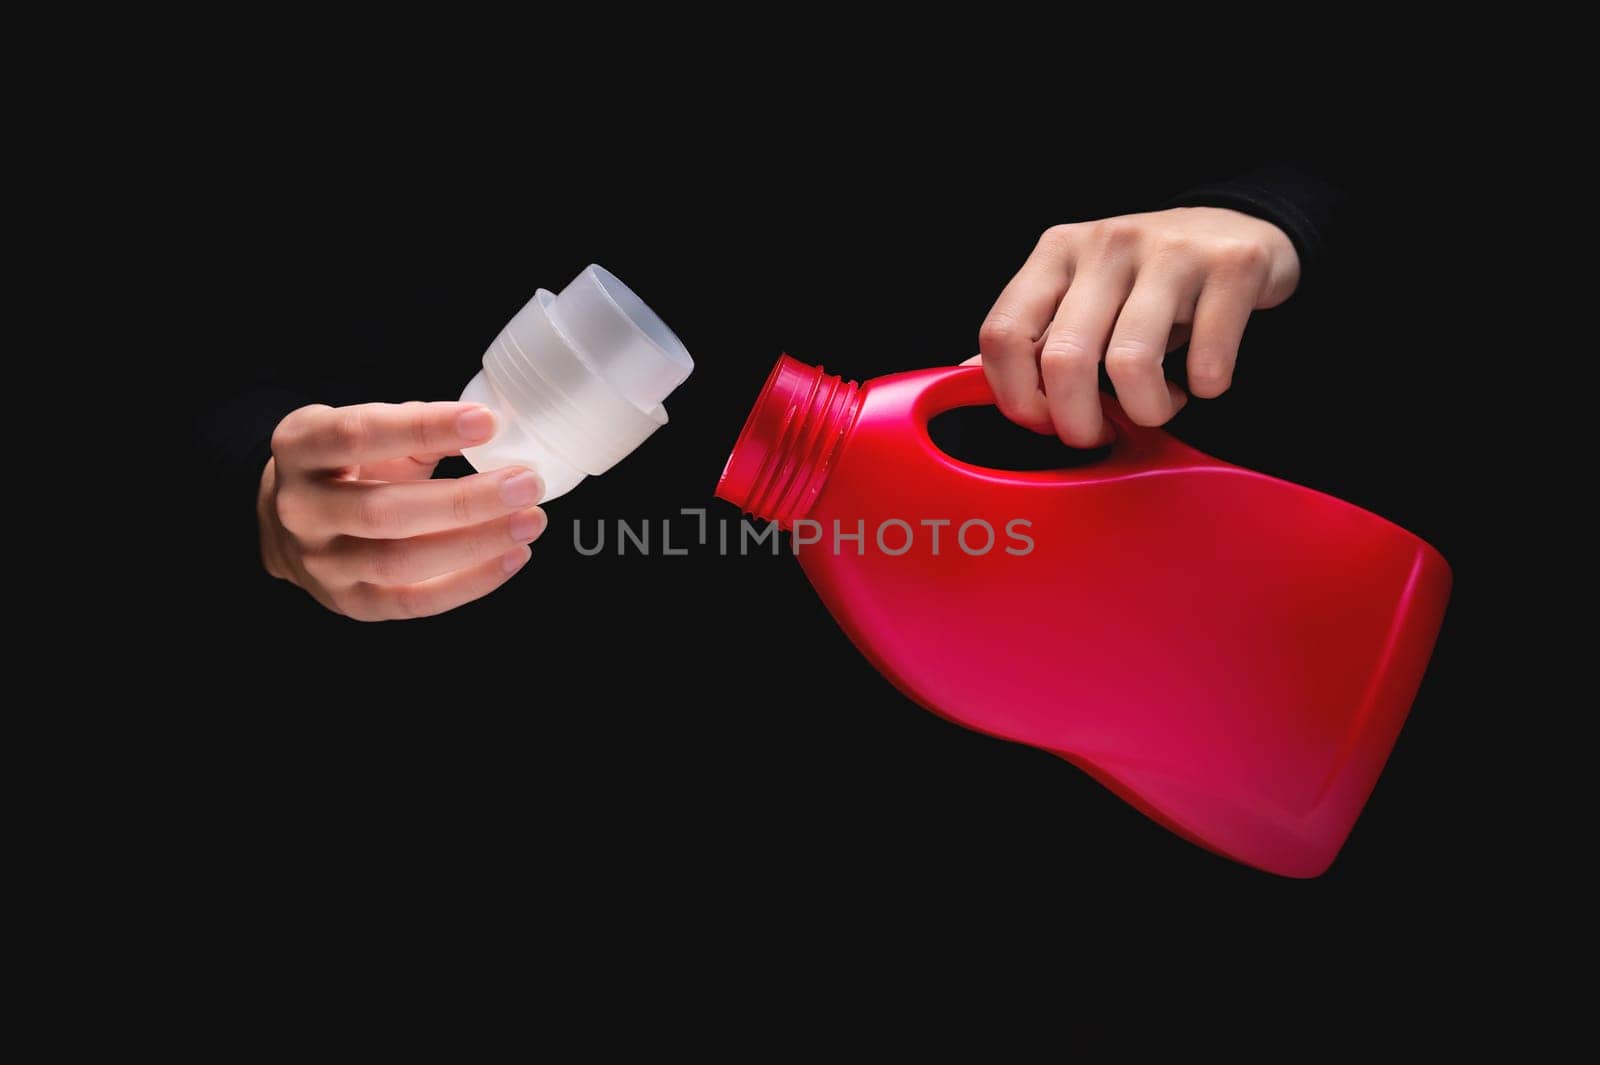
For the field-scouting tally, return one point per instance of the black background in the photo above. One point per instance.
(665, 736)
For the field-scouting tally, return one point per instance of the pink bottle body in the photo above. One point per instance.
(1231, 653)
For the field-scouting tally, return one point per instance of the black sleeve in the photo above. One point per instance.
(233, 438)
(275, 354)
(1304, 205)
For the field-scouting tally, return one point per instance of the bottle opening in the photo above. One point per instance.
(788, 444)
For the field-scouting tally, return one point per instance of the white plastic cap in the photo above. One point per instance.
(577, 381)
(627, 341)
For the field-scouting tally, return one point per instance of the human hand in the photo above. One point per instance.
(1128, 290)
(347, 510)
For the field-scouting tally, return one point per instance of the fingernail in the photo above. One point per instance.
(527, 525)
(512, 561)
(522, 489)
(475, 424)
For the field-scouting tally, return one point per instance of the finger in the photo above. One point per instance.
(976, 360)
(409, 468)
(373, 602)
(420, 557)
(1010, 335)
(1219, 321)
(1139, 343)
(1177, 395)
(395, 511)
(327, 438)
(1180, 398)
(1069, 362)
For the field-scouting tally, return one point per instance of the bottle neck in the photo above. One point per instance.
(789, 442)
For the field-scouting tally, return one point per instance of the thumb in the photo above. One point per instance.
(406, 468)
(1179, 396)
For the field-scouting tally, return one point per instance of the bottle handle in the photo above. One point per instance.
(1135, 448)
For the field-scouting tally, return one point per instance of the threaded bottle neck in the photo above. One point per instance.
(789, 442)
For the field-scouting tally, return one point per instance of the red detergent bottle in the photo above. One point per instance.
(1232, 654)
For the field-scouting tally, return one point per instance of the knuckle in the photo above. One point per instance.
(346, 603)
(998, 334)
(1175, 248)
(389, 562)
(422, 434)
(360, 604)
(284, 437)
(480, 546)
(350, 429)
(1116, 235)
(290, 433)
(407, 602)
(1066, 350)
(319, 564)
(1129, 357)
(373, 516)
(1059, 238)
(1208, 377)
(1243, 257)
(291, 511)
(461, 502)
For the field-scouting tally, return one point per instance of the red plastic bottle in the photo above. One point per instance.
(1232, 654)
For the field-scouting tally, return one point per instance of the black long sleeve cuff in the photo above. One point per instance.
(234, 441)
(1301, 204)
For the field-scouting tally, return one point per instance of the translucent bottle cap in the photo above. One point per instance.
(624, 340)
(578, 380)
